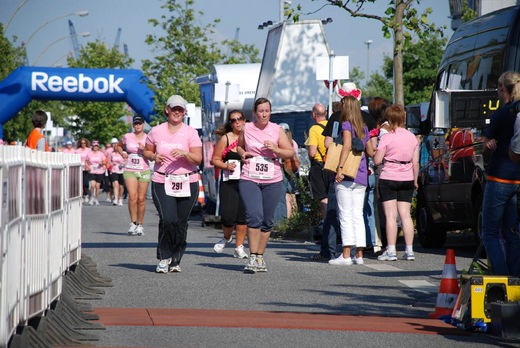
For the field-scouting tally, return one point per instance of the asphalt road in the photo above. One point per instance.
(297, 303)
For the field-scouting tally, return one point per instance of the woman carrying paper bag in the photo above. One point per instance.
(351, 181)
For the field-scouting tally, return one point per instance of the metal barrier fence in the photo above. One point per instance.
(40, 228)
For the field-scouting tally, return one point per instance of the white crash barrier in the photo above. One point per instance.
(40, 229)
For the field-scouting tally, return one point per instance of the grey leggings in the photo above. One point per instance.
(260, 201)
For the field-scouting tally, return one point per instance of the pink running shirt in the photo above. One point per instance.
(254, 138)
(398, 145)
(184, 138)
(132, 147)
(83, 153)
(118, 163)
(96, 159)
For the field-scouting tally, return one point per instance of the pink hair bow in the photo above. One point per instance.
(355, 93)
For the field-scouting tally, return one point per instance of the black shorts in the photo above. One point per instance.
(320, 180)
(117, 177)
(401, 191)
(99, 178)
(86, 179)
(232, 210)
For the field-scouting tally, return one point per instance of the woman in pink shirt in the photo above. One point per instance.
(83, 148)
(68, 148)
(176, 150)
(136, 174)
(260, 145)
(116, 164)
(398, 150)
(96, 164)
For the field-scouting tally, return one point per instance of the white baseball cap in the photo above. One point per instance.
(176, 100)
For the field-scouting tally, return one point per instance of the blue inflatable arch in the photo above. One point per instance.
(112, 85)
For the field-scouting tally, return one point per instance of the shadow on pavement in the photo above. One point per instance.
(237, 267)
(149, 268)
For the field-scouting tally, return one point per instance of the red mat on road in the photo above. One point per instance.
(273, 320)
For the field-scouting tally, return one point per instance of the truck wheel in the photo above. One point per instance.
(477, 223)
(430, 235)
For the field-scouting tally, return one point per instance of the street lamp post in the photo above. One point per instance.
(368, 42)
(58, 40)
(78, 13)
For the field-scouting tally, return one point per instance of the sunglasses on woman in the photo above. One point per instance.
(233, 120)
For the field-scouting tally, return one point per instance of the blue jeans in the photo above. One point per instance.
(499, 216)
(369, 213)
(330, 226)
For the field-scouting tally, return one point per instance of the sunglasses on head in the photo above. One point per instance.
(138, 123)
(233, 120)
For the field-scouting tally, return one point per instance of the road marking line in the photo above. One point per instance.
(382, 267)
(420, 285)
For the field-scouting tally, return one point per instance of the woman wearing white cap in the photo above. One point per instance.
(136, 174)
(116, 165)
(68, 147)
(176, 150)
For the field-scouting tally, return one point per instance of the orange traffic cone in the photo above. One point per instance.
(449, 289)
(201, 198)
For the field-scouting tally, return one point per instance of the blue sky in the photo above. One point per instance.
(345, 35)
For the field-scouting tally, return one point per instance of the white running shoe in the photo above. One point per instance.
(162, 266)
(387, 256)
(96, 202)
(132, 229)
(251, 265)
(341, 261)
(114, 202)
(109, 200)
(120, 202)
(85, 199)
(358, 261)
(409, 256)
(176, 269)
(91, 202)
(260, 264)
(139, 230)
(221, 244)
(240, 253)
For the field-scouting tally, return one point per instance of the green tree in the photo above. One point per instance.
(399, 22)
(11, 57)
(187, 51)
(467, 13)
(420, 64)
(240, 53)
(98, 120)
(357, 76)
(379, 86)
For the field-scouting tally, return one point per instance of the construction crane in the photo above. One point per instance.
(74, 38)
(118, 39)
